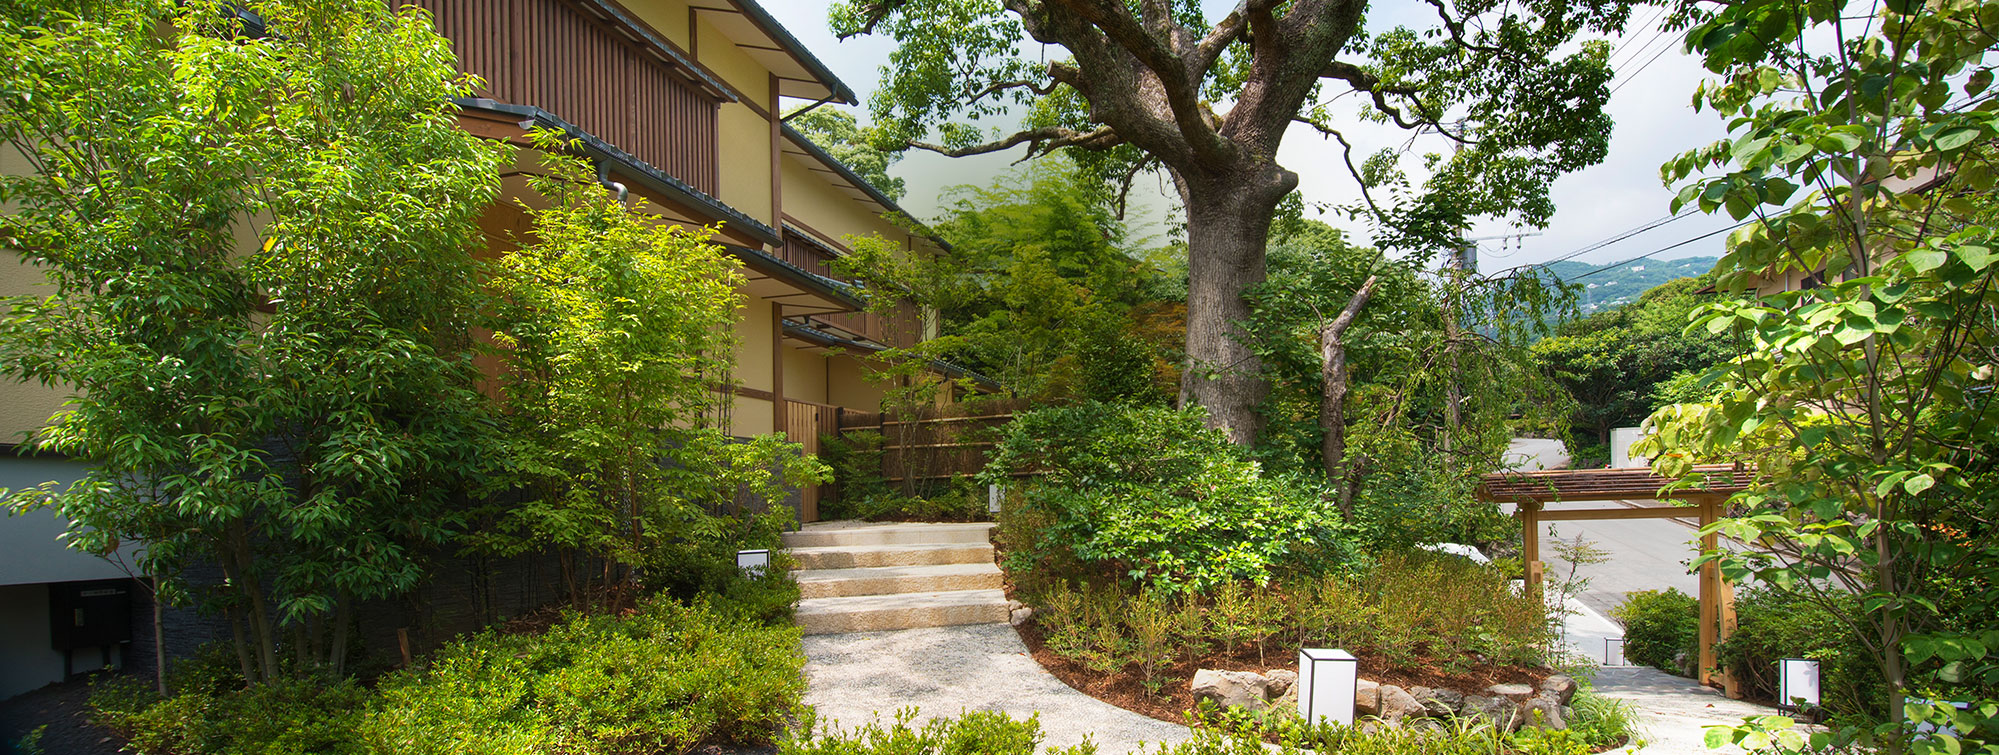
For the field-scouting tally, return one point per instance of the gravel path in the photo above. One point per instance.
(947, 670)
(1673, 712)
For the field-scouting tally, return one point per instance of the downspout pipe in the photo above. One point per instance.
(604, 179)
(806, 109)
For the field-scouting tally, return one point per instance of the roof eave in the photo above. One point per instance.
(653, 178)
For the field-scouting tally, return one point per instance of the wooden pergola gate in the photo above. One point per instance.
(1700, 495)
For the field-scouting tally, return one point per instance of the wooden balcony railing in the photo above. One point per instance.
(554, 55)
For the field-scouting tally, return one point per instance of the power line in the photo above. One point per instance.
(1620, 236)
(1641, 69)
(1626, 47)
(1646, 255)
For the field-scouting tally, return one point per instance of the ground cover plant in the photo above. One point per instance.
(660, 677)
(988, 733)
(1413, 619)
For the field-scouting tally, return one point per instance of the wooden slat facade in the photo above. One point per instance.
(554, 55)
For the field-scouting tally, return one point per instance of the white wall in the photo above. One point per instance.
(26, 661)
(1531, 454)
(1621, 439)
(31, 546)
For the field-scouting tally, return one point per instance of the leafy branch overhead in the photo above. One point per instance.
(1155, 85)
(1164, 86)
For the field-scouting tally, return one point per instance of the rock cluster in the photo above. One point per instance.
(1507, 707)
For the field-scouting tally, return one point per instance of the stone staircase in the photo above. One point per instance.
(858, 577)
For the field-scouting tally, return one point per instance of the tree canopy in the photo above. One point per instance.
(1156, 84)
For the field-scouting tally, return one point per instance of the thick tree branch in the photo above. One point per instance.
(1039, 141)
(1180, 86)
(996, 87)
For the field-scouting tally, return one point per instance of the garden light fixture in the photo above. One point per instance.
(753, 562)
(1797, 684)
(1327, 682)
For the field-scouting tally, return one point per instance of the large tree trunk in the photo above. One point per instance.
(1228, 222)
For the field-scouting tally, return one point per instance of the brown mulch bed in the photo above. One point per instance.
(1126, 688)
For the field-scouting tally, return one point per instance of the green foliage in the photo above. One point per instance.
(1406, 476)
(836, 131)
(259, 253)
(974, 733)
(1863, 162)
(1772, 625)
(1150, 495)
(865, 494)
(1658, 626)
(1615, 362)
(1410, 609)
(666, 678)
(287, 715)
(616, 328)
(1215, 732)
(1039, 291)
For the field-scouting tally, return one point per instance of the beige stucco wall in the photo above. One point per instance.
(804, 374)
(667, 17)
(829, 211)
(847, 385)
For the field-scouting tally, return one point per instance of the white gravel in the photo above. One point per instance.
(945, 671)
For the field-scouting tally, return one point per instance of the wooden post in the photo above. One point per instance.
(778, 411)
(1530, 546)
(1710, 588)
(1724, 628)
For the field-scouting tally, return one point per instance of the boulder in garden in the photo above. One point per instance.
(1544, 712)
(1281, 681)
(1560, 688)
(1232, 689)
(1396, 704)
(1518, 693)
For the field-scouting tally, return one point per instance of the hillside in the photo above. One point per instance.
(1622, 285)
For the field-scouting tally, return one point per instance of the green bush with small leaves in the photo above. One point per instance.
(665, 678)
(1658, 626)
(1152, 496)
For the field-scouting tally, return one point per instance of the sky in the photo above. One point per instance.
(1650, 103)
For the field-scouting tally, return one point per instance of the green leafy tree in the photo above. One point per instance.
(1615, 362)
(1357, 350)
(615, 328)
(1130, 87)
(258, 243)
(1862, 157)
(1039, 292)
(837, 132)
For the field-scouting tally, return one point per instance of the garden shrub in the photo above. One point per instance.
(1410, 609)
(1153, 496)
(1772, 625)
(1215, 732)
(1658, 626)
(284, 716)
(974, 733)
(665, 678)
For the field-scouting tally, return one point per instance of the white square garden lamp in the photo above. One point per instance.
(1327, 680)
(1797, 684)
(993, 495)
(753, 562)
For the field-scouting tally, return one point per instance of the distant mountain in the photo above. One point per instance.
(1621, 285)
